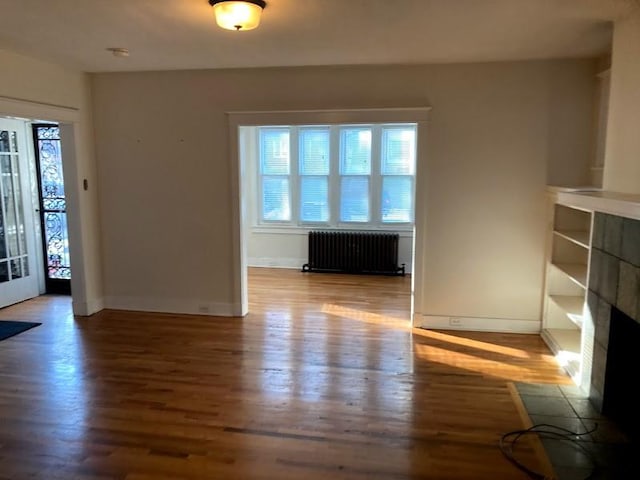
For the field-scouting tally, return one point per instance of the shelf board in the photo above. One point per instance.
(573, 307)
(565, 340)
(578, 237)
(576, 272)
(566, 346)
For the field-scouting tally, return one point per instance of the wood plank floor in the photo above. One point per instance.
(323, 379)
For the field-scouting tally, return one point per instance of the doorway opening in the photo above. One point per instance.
(52, 208)
(255, 200)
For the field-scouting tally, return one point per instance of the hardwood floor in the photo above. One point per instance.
(323, 379)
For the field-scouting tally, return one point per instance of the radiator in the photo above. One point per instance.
(353, 252)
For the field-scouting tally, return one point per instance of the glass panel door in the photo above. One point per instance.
(17, 279)
(53, 208)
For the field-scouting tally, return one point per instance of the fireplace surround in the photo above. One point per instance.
(613, 302)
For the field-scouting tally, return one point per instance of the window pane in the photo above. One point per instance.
(314, 199)
(398, 151)
(354, 199)
(397, 200)
(4, 141)
(355, 151)
(314, 151)
(275, 199)
(274, 151)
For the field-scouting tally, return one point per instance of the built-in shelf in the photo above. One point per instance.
(572, 306)
(569, 243)
(576, 272)
(576, 236)
(566, 346)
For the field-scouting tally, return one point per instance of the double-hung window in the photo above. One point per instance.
(314, 169)
(275, 174)
(355, 174)
(351, 176)
(397, 169)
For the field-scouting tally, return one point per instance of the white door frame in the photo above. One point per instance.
(68, 119)
(418, 115)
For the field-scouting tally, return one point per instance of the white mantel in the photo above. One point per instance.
(613, 203)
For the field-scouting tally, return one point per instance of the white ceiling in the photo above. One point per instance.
(182, 34)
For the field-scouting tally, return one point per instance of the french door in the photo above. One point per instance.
(18, 269)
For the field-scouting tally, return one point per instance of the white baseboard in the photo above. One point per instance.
(296, 263)
(174, 305)
(478, 324)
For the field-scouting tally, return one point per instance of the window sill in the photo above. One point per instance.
(403, 231)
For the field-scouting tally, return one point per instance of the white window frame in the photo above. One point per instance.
(296, 224)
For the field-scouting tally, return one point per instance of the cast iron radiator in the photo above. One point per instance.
(353, 252)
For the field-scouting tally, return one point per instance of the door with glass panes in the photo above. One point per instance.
(53, 208)
(18, 277)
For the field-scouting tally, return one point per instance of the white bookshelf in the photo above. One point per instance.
(569, 244)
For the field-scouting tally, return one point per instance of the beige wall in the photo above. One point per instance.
(34, 89)
(162, 148)
(33, 80)
(622, 156)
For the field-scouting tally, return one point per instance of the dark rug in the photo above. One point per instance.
(9, 328)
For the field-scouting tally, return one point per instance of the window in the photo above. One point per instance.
(275, 172)
(338, 175)
(314, 174)
(397, 169)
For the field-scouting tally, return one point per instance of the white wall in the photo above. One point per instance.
(34, 89)
(164, 168)
(284, 247)
(622, 157)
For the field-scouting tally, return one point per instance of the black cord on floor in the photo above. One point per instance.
(508, 442)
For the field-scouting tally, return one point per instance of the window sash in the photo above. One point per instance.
(355, 199)
(397, 199)
(275, 157)
(276, 198)
(314, 199)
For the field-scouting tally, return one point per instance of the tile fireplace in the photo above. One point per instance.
(613, 301)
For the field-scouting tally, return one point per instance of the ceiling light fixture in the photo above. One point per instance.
(238, 14)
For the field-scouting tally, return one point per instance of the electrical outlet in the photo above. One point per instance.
(203, 308)
(455, 321)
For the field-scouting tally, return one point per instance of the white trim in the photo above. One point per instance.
(293, 263)
(478, 324)
(27, 110)
(304, 230)
(290, 263)
(419, 266)
(68, 119)
(621, 204)
(292, 117)
(172, 305)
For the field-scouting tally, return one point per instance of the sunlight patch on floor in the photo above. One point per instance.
(473, 363)
(467, 342)
(367, 317)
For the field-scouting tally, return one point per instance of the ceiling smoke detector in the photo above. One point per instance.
(118, 52)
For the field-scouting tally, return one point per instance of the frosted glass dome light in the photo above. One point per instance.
(238, 14)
